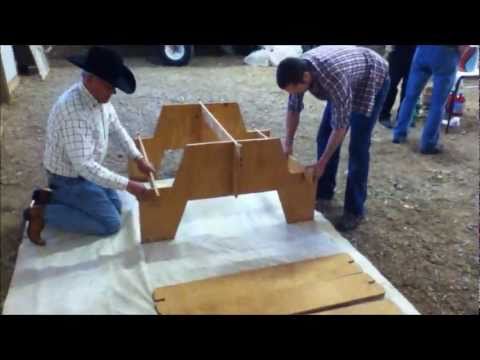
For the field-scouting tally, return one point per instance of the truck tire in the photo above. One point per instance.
(175, 55)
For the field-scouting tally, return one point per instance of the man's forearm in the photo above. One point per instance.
(100, 175)
(334, 141)
(292, 121)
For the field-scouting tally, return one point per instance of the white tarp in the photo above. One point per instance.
(117, 274)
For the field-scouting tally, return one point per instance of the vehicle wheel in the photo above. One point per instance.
(176, 55)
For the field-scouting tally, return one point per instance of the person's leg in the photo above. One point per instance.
(359, 155)
(406, 67)
(444, 65)
(80, 206)
(417, 78)
(114, 198)
(326, 184)
(397, 72)
(358, 163)
(405, 71)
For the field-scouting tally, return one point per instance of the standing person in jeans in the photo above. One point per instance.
(83, 198)
(440, 62)
(399, 61)
(354, 81)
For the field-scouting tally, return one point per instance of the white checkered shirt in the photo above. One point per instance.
(77, 138)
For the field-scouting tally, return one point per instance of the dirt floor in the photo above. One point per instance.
(422, 225)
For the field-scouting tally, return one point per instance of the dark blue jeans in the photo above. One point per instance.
(361, 128)
(399, 62)
(440, 62)
(80, 206)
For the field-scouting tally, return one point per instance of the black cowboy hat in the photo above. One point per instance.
(107, 65)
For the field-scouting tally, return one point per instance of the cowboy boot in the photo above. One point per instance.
(34, 216)
(42, 196)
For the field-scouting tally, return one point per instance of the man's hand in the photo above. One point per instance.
(318, 169)
(136, 188)
(145, 166)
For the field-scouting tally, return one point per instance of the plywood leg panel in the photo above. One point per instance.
(159, 219)
(298, 199)
(179, 125)
(234, 161)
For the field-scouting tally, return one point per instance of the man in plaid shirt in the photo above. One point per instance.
(354, 81)
(83, 197)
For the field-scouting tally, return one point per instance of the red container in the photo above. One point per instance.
(458, 104)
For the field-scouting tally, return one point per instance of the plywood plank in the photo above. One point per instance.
(379, 307)
(322, 269)
(289, 298)
(253, 291)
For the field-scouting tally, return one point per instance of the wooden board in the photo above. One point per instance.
(230, 116)
(324, 269)
(177, 126)
(195, 179)
(296, 288)
(379, 307)
(220, 158)
(206, 172)
(215, 125)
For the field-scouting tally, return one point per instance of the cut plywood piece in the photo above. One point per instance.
(379, 307)
(294, 299)
(220, 158)
(321, 269)
(283, 289)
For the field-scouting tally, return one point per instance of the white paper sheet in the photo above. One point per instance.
(117, 274)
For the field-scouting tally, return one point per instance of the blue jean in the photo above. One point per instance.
(361, 128)
(440, 62)
(80, 206)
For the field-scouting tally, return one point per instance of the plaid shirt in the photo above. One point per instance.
(77, 138)
(348, 76)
